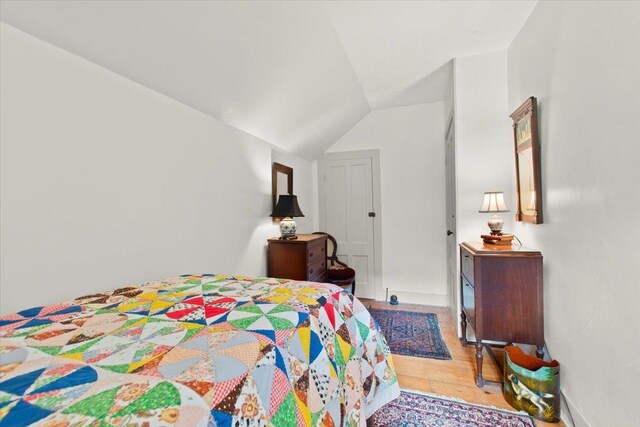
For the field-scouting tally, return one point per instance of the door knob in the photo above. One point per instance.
(449, 232)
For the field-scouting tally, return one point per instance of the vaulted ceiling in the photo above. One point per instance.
(296, 74)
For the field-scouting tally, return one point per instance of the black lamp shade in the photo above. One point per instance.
(287, 206)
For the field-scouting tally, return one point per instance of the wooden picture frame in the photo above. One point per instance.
(527, 159)
(277, 172)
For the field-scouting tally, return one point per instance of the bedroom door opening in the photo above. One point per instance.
(452, 250)
(349, 203)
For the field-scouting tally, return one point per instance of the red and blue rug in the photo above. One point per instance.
(412, 334)
(415, 409)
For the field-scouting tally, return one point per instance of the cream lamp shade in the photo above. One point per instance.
(493, 202)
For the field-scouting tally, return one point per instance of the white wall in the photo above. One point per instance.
(105, 182)
(582, 61)
(484, 148)
(411, 143)
(448, 100)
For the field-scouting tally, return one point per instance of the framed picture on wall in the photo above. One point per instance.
(527, 156)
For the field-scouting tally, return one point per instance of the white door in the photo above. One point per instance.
(452, 250)
(347, 213)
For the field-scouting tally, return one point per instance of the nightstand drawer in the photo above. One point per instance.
(466, 265)
(469, 300)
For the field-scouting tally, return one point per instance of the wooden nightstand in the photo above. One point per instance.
(304, 258)
(501, 297)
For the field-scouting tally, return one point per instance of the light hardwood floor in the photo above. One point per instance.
(453, 378)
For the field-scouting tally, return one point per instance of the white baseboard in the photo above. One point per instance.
(420, 298)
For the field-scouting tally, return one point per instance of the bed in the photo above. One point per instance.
(196, 350)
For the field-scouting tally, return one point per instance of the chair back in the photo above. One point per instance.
(332, 249)
(332, 259)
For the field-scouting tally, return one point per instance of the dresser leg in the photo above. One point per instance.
(463, 326)
(540, 351)
(479, 379)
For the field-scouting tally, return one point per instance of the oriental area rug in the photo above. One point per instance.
(413, 409)
(411, 333)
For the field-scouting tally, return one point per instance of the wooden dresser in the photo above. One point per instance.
(304, 258)
(501, 296)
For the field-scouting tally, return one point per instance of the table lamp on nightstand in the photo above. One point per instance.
(287, 208)
(494, 203)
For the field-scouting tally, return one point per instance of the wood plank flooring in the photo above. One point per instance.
(453, 378)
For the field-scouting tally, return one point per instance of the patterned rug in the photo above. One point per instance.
(412, 334)
(414, 409)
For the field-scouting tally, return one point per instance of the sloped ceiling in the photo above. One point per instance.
(399, 49)
(296, 74)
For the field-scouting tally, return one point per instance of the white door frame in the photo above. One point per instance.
(374, 155)
(451, 205)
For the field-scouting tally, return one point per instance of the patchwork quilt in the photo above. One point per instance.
(194, 351)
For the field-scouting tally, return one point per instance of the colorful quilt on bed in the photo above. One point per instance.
(196, 350)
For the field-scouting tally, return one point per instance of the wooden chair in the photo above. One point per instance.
(338, 272)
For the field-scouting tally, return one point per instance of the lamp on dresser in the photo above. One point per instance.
(287, 208)
(493, 202)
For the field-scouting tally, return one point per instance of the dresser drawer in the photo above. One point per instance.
(469, 300)
(316, 252)
(466, 265)
(318, 268)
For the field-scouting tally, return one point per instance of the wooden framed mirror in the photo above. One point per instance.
(281, 182)
(527, 156)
